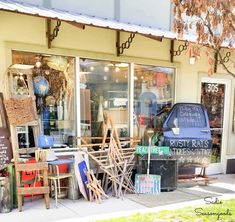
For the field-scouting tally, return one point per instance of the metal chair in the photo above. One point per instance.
(55, 176)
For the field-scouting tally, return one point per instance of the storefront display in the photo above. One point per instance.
(53, 86)
(104, 91)
(153, 96)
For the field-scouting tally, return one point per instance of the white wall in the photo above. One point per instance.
(154, 13)
(99, 8)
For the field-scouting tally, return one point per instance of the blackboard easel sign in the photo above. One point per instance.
(5, 145)
(191, 143)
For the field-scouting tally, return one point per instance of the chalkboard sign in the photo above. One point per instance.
(191, 116)
(5, 145)
(191, 143)
(5, 149)
(190, 152)
(187, 116)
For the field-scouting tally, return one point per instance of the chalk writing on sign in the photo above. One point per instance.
(194, 157)
(5, 148)
(191, 116)
(191, 143)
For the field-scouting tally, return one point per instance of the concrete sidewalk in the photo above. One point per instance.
(187, 194)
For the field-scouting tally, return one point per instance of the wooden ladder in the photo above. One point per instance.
(39, 167)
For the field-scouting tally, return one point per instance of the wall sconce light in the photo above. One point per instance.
(117, 69)
(38, 64)
(106, 68)
(57, 62)
(192, 60)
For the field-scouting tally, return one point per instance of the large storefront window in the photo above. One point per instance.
(103, 92)
(53, 85)
(153, 96)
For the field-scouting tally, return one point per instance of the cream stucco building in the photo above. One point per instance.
(22, 33)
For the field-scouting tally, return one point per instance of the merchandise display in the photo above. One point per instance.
(53, 86)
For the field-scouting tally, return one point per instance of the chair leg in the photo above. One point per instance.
(56, 194)
(73, 187)
(58, 175)
(47, 200)
(19, 199)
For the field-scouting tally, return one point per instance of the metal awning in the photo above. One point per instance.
(81, 19)
(41, 11)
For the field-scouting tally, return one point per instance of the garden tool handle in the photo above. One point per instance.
(149, 155)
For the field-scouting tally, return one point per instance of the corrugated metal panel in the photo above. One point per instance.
(30, 9)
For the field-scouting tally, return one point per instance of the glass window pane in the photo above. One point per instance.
(53, 85)
(153, 96)
(103, 92)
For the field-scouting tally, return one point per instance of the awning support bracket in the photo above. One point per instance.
(52, 35)
(218, 62)
(125, 45)
(181, 48)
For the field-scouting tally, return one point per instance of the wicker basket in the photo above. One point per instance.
(20, 111)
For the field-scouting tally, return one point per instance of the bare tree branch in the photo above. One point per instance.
(215, 24)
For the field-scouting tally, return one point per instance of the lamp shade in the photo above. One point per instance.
(45, 141)
(57, 62)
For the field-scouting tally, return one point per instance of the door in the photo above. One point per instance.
(214, 95)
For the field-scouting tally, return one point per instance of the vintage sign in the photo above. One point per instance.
(158, 150)
(192, 143)
(190, 152)
(147, 184)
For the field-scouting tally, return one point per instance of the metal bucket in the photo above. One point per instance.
(5, 197)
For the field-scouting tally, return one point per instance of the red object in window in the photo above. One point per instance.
(161, 79)
(141, 120)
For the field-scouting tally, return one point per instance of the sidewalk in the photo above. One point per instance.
(80, 210)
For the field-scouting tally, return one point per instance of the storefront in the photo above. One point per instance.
(89, 80)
